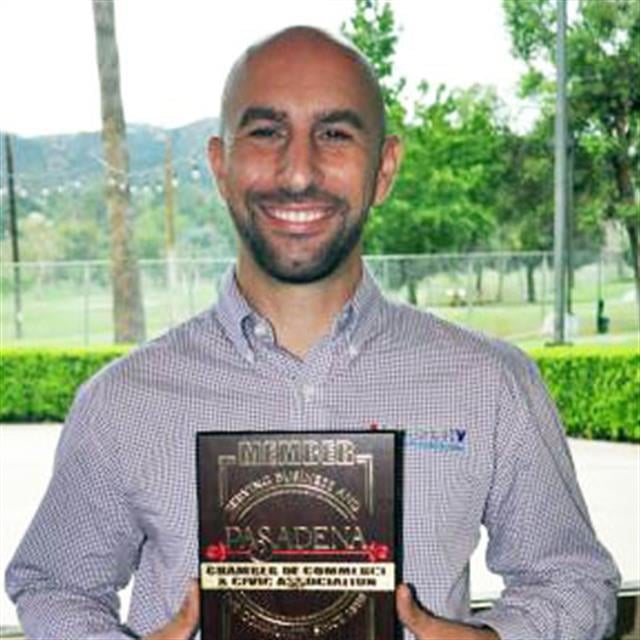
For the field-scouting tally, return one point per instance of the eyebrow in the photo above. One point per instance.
(251, 114)
(347, 116)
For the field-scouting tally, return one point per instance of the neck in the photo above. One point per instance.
(301, 314)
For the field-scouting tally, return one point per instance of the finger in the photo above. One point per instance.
(189, 613)
(185, 621)
(412, 616)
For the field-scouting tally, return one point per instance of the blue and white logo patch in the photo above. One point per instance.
(434, 439)
(431, 438)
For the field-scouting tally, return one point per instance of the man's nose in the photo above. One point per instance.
(299, 164)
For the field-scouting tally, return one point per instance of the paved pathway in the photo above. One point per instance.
(609, 474)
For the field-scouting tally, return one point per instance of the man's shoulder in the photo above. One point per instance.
(136, 392)
(421, 331)
(168, 356)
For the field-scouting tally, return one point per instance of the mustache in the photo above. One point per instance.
(283, 196)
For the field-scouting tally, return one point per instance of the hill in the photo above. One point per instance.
(60, 161)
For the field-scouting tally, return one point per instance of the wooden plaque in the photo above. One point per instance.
(299, 535)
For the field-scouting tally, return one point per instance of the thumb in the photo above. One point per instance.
(189, 613)
(412, 616)
(185, 621)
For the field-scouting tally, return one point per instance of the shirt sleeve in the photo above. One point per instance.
(82, 545)
(560, 582)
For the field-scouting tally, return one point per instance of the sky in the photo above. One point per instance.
(174, 54)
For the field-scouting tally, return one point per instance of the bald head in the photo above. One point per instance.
(303, 156)
(295, 45)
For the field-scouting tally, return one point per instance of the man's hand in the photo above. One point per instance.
(185, 621)
(426, 626)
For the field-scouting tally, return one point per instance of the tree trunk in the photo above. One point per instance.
(478, 269)
(406, 277)
(128, 312)
(502, 267)
(634, 242)
(412, 292)
(627, 195)
(531, 282)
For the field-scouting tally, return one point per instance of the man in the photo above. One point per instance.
(302, 339)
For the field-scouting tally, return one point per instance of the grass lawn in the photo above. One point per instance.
(63, 309)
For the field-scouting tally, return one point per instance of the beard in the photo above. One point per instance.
(317, 266)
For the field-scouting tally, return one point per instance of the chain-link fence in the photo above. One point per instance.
(509, 295)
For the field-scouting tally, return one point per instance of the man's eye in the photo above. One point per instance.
(336, 135)
(264, 132)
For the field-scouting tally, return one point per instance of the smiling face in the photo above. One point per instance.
(302, 158)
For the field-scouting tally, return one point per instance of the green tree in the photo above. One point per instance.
(603, 45)
(447, 196)
(453, 151)
(446, 192)
(40, 240)
(525, 219)
(81, 218)
(372, 29)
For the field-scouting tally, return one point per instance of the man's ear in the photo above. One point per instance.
(390, 158)
(215, 153)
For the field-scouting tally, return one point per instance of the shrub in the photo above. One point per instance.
(595, 388)
(39, 384)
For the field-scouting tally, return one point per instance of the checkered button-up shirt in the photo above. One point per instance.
(483, 446)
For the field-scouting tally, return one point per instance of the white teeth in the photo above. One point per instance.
(296, 216)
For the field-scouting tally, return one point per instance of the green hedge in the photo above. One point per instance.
(596, 389)
(39, 384)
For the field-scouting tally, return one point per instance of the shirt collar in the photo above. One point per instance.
(233, 310)
(360, 313)
(355, 322)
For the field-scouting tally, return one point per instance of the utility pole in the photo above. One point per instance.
(560, 224)
(13, 231)
(170, 227)
(570, 227)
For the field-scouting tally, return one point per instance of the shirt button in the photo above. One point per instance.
(353, 351)
(261, 330)
(308, 392)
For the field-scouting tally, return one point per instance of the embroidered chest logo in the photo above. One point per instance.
(429, 438)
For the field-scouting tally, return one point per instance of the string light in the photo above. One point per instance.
(148, 181)
(69, 181)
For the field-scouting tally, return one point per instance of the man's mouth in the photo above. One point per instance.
(296, 215)
(298, 218)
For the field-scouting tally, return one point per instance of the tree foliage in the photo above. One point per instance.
(372, 29)
(603, 59)
(76, 223)
(445, 195)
